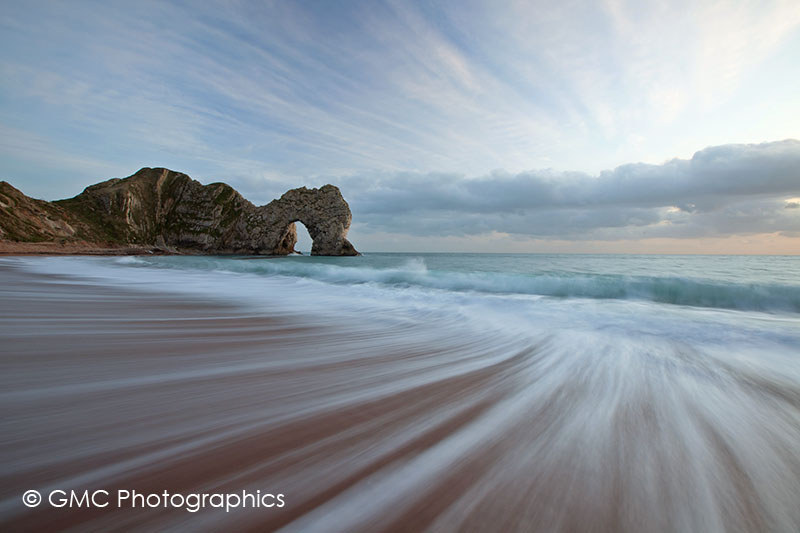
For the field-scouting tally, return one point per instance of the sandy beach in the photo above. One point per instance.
(12, 248)
(110, 389)
(370, 423)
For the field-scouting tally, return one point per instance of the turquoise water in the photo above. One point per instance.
(765, 283)
(742, 306)
(734, 307)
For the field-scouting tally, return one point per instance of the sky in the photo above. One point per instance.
(539, 126)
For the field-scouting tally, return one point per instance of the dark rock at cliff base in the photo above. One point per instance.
(168, 210)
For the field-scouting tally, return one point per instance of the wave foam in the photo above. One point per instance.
(667, 290)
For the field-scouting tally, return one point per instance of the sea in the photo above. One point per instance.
(618, 392)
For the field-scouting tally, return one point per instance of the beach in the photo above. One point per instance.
(11, 248)
(395, 396)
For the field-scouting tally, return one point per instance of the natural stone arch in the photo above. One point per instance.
(169, 210)
(324, 213)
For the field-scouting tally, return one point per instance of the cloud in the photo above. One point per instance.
(304, 88)
(409, 105)
(721, 190)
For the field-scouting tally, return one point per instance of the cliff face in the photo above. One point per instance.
(161, 208)
(25, 219)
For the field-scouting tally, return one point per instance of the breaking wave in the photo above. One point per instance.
(684, 291)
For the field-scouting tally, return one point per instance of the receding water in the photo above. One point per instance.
(442, 391)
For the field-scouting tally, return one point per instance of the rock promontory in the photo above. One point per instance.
(168, 210)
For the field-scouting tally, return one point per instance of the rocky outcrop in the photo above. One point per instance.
(24, 219)
(324, 213)
(165, 209)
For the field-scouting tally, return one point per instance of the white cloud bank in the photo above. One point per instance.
(721, 191)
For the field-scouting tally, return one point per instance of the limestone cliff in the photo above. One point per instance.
(161, 208)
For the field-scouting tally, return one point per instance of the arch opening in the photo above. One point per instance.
(296, 238)
(304, 240)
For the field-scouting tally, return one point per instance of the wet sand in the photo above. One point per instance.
(367, 426)
(73, 248)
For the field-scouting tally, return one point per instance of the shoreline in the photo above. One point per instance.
(117, 388)
(9, 248)
(375, 409)
(50, 249)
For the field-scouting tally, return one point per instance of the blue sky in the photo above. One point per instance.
(411, 106)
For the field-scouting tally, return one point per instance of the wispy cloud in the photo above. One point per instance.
(271, 95)
(307, 88)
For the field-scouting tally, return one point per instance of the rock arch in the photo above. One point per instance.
(324, 213)
(157, 207)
